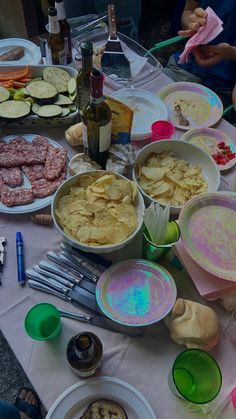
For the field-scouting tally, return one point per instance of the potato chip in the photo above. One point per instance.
(170, 180)
(153, 173)
(99, 210)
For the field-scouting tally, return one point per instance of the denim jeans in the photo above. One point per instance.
(8, 411)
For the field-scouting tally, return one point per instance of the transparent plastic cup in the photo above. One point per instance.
(43, 322)
(195, 376)
(162, 130)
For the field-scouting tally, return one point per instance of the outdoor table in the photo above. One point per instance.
(142, 362)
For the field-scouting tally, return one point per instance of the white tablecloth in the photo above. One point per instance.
(142, 362)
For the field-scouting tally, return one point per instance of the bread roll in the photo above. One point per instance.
(74, 135)
(194, 325)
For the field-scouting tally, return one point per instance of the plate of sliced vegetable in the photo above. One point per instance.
(42, 95)
(216, 143)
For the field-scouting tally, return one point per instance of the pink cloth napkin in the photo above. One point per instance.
(204, 35)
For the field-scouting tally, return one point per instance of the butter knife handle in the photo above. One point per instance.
(40, 287)
(81, 317)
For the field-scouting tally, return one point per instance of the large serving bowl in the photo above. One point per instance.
(64, 189)
(182, 150)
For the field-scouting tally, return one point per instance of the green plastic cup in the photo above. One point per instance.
(154, 252)
(195, 376)
(43, 322)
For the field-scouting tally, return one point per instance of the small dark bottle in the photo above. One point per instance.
(56, 49)
(84, 354)
(96, 119)
(64, 28)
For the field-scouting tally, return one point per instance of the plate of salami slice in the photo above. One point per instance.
(32, 167)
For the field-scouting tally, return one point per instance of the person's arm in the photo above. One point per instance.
(192, 18)
(209, 55)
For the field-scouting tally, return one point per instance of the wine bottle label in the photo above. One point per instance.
(62, 57)
(53, 26)
(61, 14)
(87, 373)
(48, 54)
(104, 137)
(85, 135)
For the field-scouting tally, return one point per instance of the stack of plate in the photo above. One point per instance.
(208, 233)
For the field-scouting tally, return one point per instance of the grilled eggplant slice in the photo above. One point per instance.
(14, 110)
(4, 94)
(42, 91)
(63, 100)
(49, 111)
(58, 77)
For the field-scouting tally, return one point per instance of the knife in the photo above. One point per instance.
(70, 266)
(94, 260)
(103, 322)
(95, 320)
(48, 268)
(72, 262)
(82, 297)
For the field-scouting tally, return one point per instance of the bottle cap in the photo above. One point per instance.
(96, 84)
(86, 48)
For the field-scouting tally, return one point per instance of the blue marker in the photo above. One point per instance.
(20, 259)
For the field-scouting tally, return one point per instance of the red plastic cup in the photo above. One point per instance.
(162, 130)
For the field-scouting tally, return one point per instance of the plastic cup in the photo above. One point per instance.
(43, 322)
(195, 376)
(154, 252)
(162, 130)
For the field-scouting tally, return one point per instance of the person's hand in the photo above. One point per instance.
(234, 97)
(209, 55)
(196, 19)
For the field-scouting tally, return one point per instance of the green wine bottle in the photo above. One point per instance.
(83, 78)
(96, 119)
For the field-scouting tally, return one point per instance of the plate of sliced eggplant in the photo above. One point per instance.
(42, 95)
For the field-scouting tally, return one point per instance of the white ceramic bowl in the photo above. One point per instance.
(182, 150)
(64, 190)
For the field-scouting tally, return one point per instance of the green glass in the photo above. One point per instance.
(83, 78)
(154, 252)
(96, 119)
(43, 322)
(196, 376)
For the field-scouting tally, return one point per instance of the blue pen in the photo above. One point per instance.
(20, 258)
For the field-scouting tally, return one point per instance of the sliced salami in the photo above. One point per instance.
(12, 176)
(11, 198)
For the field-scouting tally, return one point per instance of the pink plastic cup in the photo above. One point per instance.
(162, 130)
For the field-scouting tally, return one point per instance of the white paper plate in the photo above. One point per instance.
(72, 403)
(147, 107)
(38, 203)
(32, 52)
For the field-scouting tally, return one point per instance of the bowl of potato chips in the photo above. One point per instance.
(98, 211)
(172, 172)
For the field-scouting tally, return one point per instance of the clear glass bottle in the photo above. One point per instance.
(96, 120)
(56, 53)
(83, 78)
(84, 354)
(64, 28)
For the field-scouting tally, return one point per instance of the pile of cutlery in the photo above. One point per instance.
(66, 275)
